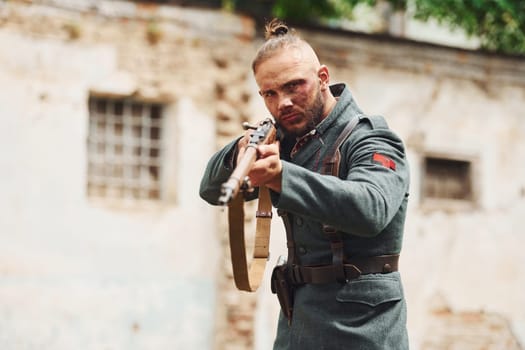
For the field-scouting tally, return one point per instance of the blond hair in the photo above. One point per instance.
(278, 36)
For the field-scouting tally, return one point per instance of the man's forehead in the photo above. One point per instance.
(279, 76)
(286, 65)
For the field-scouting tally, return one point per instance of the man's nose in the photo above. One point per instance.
(285, 102)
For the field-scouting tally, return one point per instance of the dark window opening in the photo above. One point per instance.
(447, 179)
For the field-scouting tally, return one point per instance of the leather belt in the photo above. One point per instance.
(352, 268)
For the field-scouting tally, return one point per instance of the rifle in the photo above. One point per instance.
(265, 133)
(247, 277)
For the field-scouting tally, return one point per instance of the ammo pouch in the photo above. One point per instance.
(283, 287)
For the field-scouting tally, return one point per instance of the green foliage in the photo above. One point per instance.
(304, 11)
(396, 4)
(499, 24)
(311, 10)
(228, 5)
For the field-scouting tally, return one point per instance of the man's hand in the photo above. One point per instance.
(268, 168)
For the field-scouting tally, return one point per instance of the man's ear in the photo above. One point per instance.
(324, 77)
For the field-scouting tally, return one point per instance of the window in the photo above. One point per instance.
(447, 179)
(449, 182)
(124, 149)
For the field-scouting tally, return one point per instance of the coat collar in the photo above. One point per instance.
(339, 114)
(343, 111)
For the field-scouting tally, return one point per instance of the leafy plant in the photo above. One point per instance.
(499, 24)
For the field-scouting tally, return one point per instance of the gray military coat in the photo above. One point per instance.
(367, 203)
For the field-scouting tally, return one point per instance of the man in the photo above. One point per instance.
(345, 222)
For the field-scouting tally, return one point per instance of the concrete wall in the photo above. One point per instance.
(77, 274)
(82, 274)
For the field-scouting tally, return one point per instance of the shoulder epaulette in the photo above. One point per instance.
(376, 121)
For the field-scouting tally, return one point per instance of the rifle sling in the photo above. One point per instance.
(248, 276)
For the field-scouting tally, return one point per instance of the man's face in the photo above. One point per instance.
(290, 87)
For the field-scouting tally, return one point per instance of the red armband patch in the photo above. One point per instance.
(384, 161)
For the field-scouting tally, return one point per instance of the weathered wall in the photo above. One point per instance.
(77, 273)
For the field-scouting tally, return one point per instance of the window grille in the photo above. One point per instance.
(447, 179)
(124, 149)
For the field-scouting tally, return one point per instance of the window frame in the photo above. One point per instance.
(451, 204)
(123, 199)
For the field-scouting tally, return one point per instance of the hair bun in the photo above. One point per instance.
(275, 28)
(281, 30)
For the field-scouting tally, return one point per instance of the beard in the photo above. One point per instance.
(313, 114)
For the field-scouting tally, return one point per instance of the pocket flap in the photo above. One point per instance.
(371, 291)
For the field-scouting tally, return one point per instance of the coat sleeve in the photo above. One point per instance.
(217, 171)
(365, 199)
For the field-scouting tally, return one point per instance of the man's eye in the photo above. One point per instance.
(292, 86)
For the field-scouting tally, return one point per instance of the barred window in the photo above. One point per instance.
(124, 149)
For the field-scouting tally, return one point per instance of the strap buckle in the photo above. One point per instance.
(351, 272)
(263, 214)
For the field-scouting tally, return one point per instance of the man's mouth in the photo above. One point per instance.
(290, 118)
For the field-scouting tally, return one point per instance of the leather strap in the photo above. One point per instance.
(352, 268)
(248, 275)
(331, 162)
(290, 243)
(331, 167)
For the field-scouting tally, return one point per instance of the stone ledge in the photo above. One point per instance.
(347, 48)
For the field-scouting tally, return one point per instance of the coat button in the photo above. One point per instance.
(299, 221)
(302, 250)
